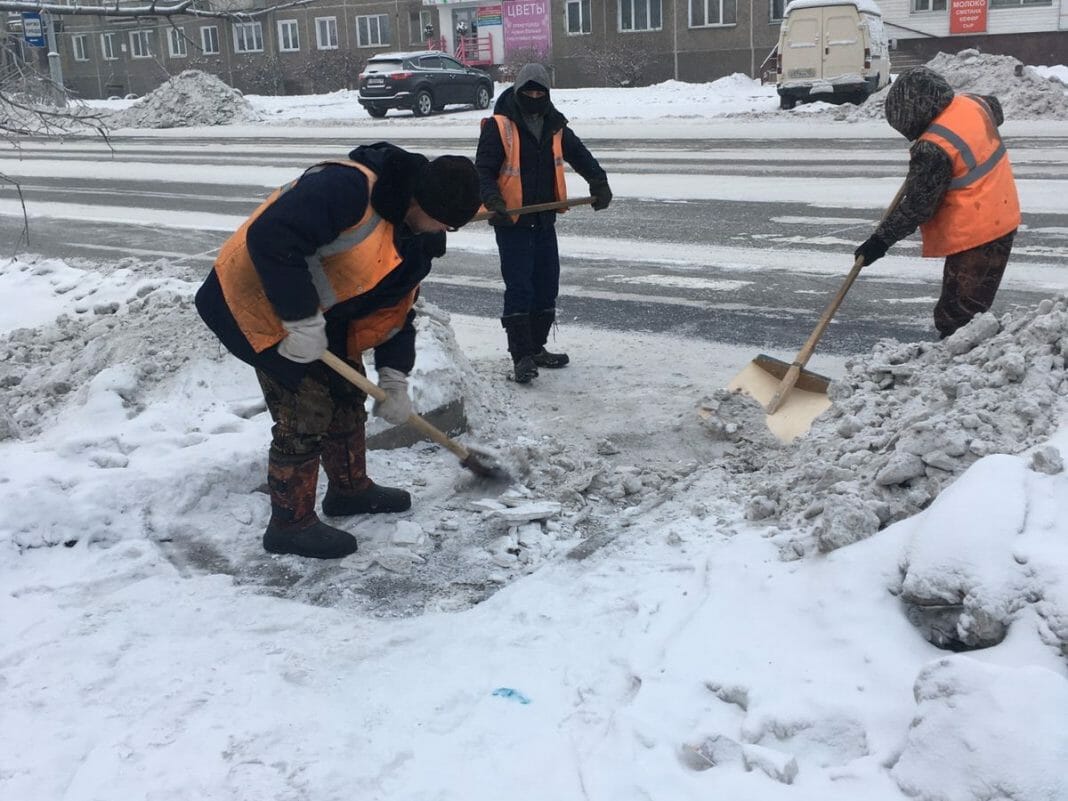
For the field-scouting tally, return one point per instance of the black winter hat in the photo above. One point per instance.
(447, 190)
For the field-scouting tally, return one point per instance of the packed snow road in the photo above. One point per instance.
(737, 240)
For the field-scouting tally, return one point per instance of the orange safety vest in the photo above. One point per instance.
(374, 329)
(510, 179)
(351, 265)
(981, 204)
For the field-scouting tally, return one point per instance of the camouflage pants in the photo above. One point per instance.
(970, 280)
(324, 403)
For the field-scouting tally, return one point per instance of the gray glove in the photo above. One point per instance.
(496, 204)
(397, 407)
(305, 339)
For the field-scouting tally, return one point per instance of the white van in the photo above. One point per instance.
(831, 50)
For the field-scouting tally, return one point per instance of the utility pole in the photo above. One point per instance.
(55, 66)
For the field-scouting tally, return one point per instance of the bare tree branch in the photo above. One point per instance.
(183, 8)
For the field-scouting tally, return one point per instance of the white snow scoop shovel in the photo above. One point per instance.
(791, 395)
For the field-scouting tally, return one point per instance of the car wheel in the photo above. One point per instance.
(376, 111)
(786, 103)
(424, 103)
(482, 97)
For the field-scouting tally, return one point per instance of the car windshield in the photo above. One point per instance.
(392, 65)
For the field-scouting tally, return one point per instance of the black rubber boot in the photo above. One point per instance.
(521, 346)
(294, 528)
(541, 322)
(349, 491)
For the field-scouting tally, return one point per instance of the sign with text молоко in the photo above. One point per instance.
(33, 29)
(967, 16)
(527, 26)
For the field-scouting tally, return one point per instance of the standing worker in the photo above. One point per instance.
(520, 161)
(333, 261)
(959, 191)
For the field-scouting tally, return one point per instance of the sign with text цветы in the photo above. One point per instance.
(527, 26)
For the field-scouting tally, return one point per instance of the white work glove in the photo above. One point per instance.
(305, 339)
(397, 407)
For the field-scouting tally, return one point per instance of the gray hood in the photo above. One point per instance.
(532, 73)
(915, 99)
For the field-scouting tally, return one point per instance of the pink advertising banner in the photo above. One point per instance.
(527, 26)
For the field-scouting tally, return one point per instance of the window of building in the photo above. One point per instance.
(209, 40)
(928, 5)
(176, 43)
(706, 13)
(1018, 3)
(776, 13)
(248, 37)
(418, 23)
(141, 44)
(78, 43)
(640, 15)
(577, 17)
(372, 31)
(288, 36)
(108, 47)
(326, 33)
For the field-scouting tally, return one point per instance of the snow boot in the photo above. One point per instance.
(521, 346)
(541, 323)
(349, 491)
(294, 528)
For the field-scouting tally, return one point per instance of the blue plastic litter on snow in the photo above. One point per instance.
(515, 695)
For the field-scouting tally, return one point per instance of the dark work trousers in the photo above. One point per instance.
(970, 280)
(324, 403)
(530, 267)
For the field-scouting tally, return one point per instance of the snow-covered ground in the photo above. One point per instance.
(657, 608)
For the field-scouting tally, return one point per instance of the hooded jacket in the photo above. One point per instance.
(913, 103)
(311, 214)
(537, 166)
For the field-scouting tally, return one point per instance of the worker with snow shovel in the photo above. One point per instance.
(520, 160)
(333, 261)
(960, 191)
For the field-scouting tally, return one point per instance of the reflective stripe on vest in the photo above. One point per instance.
(510, 179)
(981, 203)
(350, 265)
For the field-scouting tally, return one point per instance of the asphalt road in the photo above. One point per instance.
(706, 298)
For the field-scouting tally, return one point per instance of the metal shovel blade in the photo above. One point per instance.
(760, 380)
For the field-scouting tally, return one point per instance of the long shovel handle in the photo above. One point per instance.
(554, 205)
(788, 380)
(360, 380)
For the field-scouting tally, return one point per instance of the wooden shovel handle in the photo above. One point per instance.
(788, 380)
(554, 205)
(354, 376)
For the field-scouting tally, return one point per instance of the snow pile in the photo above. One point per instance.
(191, 98)
(906, 420)
(977, 562)
(953, 754)
(1024, 96)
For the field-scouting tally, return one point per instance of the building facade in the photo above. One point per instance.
(322, 47)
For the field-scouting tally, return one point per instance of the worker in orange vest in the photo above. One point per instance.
(960, 192)
(333, 261)
(520, 159)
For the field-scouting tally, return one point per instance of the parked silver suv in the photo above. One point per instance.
(423, 81)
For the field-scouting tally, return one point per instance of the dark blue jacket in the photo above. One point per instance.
(313, 213)
(535, 158)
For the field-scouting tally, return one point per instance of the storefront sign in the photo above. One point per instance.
(967, 16)
(527, 26)
(489, 15)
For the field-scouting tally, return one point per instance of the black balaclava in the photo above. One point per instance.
(534, 76)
